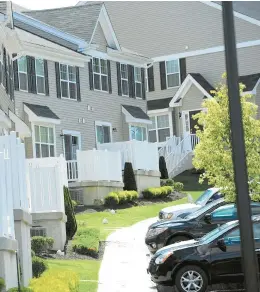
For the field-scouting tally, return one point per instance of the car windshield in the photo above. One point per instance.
(203, 210)
(209, 237)
(202, 200)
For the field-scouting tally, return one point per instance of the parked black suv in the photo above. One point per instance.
(194, 264)
(195, 225)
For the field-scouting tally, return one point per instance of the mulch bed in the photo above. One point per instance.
(140, 202)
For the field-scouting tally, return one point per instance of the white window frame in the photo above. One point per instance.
(172, 73)
(126, 79)
(140, 126)
(74, 134)
(107, 124)
(68, 82)
(139, 82)
(22, 72)
(100, 74)
(156, 129)
(34, 140)
(37, 75)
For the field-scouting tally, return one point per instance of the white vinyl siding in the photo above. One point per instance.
(68, 82)
(160, 128)
(22, 73)
(40, 78)
(100, 74)
(172, 73)
(44, 141)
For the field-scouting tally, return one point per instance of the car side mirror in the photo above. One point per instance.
(221, 245)
(207, 218)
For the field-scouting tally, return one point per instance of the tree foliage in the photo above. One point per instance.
(129, 178)
(163, 168)
(71, 224)
(214, 152)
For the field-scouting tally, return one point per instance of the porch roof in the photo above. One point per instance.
(158, 103)
(135, 114)
(192, 79)
(250, 81)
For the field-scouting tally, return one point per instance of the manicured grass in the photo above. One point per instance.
(125, 217)
(86, 269)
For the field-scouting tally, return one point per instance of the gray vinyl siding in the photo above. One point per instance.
(162, 28)
(99, 39)
(192, 100)
(106, 108)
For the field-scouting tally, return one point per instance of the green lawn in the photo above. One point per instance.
(86, 269)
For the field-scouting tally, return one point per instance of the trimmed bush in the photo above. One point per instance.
(39, 265)
(111, 199)
(71, 224)
(161, 192)
(86, 241)
(41, 244)
(129, 178)
(56, 280)
(178, 186)
(163, 168)
(2, 284)
(167, 182)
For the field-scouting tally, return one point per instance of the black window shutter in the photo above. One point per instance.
(57, 73)
(131, 80)
(150, 78)
(90, 72)
(143, 83)
(109, 77)
(118, 70)
(11, 85)
(78, 84)
(174, 121)
(183, 69)
(46, 77)
(16, 74)
(163, 75)
(4, 68)
(31, 74)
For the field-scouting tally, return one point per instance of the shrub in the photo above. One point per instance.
(56, 280)
(129, 178)
(86, 241)
(153, 193)
(49, 242)
(38, 266)
(178, 186)
(41, 244)
(123, 197)
(163, 168)
(32, 254)
(2, 284)
(74, 204)
(71, 224)
(22, 289)
(111, 199)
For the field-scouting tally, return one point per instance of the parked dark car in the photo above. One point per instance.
(195, 225)
(194, 264)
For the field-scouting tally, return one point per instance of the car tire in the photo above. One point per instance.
(177, 239)
(190, 273)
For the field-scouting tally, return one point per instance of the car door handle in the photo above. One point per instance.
(258, 249)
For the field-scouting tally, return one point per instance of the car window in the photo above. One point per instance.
(233, 237)
(215, 197)
(224, 213)
(202, 200)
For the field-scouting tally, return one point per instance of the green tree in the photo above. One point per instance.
(214, 152)
(71, 224)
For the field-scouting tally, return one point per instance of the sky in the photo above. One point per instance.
(45, 4)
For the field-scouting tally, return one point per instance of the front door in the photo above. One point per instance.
(186, 130)
(71, 145)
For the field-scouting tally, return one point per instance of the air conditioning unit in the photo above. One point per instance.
(38, 231)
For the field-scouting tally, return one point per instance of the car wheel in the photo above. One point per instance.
(177, 239)
(191, 279)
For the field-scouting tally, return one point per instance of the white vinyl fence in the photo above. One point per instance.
(47, 176)
(13, 188)
(98, 165)
(142, 155)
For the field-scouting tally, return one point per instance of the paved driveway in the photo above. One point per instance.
(125, 261)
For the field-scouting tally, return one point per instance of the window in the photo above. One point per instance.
(103, 133)
(124, 80)
(100, 74)
(173, 73)
(1, 69)
(138, 133)
(225, 213)
(44, 141)
(68, 81)
(40, 79)
(22, 72)
(138, 82)
(38, 231)
(146, 80)
(160, 128)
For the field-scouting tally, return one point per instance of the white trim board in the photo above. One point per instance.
(236, 14)
(205, 51)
